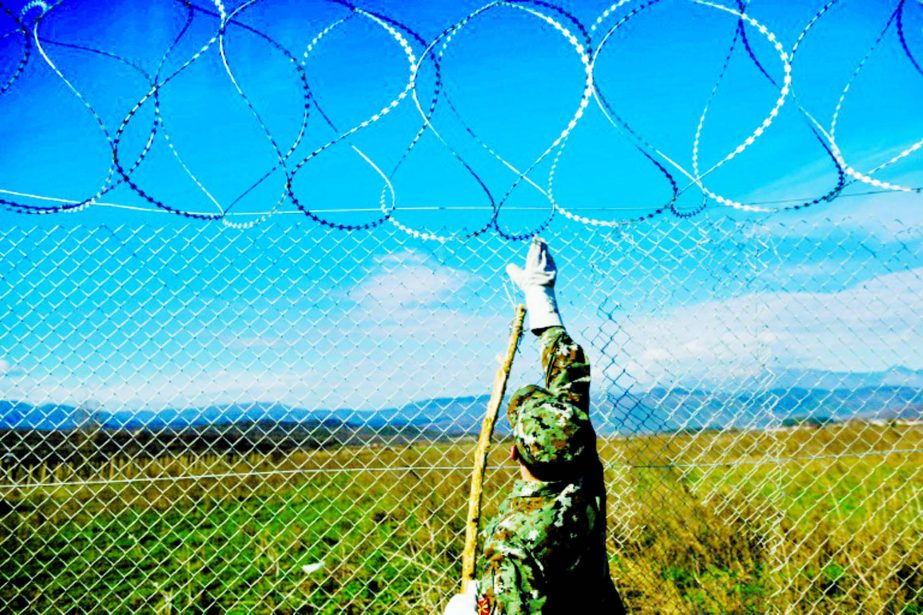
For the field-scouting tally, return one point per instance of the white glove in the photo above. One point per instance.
(537, 282)
(466, 603)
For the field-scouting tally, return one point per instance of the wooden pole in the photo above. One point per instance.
(480, 453)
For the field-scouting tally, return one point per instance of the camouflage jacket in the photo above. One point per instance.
(545, 552)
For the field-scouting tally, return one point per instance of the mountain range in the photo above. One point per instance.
(788, 394)
(450, 414)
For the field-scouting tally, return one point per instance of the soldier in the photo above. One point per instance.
(546, 550)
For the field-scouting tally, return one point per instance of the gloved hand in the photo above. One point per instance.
(466, 603)
(537, 282)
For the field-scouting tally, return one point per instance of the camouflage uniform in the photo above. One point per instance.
(546, 550)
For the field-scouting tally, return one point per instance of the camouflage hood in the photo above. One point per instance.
(551, 436)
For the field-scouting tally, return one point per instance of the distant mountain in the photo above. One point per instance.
(65, 434)
(446, 415)
(831, 381)
(226, 414)
(781, 395)
(665, 410)
(20, 415)
(454, 415)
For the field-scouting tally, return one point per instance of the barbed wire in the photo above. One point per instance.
(588, 44)
(428, 207)
(715, 502)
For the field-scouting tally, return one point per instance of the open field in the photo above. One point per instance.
(708, 522)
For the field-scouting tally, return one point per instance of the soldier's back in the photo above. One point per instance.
(546, 553)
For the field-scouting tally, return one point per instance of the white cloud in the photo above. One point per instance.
(7, 369)
(416, 329)
(407, 280)
(868, 327)
(261, 342)
(408, 286)
(357, 366)
(404, 257)
(894, 216)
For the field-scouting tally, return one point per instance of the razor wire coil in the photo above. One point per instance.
(588, 43)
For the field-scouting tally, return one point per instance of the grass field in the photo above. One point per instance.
(709, 522)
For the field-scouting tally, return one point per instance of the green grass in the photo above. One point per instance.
(688, 533)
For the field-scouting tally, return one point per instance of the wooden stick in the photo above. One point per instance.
(480, 453)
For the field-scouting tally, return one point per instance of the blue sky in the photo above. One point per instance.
(516, 83)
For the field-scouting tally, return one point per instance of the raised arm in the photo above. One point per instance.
(567, 371)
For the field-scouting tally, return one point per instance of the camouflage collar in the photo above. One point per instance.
(538, 488)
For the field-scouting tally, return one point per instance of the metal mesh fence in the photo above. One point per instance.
(281, 419)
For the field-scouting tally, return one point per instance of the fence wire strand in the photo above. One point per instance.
(281, 419)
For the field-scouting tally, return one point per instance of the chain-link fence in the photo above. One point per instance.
(282, 419)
